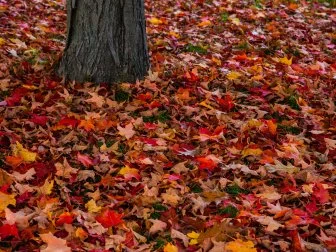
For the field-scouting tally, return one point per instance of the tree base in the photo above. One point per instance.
(106, 42)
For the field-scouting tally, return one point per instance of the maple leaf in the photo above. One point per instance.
(84, 159)
(330, 143)
(284, 60)
(54, 244)
(251, 152)
(47, 187)
(109, 218)
(65, 170)
(206, 163)
(64, 218)
(269, 222)
(68, 121)
(129, 173)
(127, 132)
(204, 23)
(157, 226)
(320, 193)
(193, 237)
(25, 154)
(87, 125)
(5, 200)
(92, 206)
(233, 75)
(239, 245)
(26, 176)
(155, 21)
(170, 248)
(14, 161)
(96, 99)
(8, 230)
(39, 120)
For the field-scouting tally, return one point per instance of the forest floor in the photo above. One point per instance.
(228, 145)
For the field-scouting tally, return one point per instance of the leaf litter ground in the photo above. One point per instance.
(228, 145)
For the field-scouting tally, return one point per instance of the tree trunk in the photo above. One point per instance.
(106, 41)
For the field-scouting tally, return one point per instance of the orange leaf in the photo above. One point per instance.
(109, 218)
(65, 217)
(14, 161)
(86, 124)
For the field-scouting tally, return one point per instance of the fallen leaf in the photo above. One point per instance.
(25, 154)
(54, 244)
(127, 132)
(239, 245)
(109, 218)
(5, 200)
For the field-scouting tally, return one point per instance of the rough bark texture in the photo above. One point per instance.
(106, 41)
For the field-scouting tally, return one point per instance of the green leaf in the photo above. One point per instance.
(224, 17)
(159, 207)
(231, 211)
(121, 96)
(196, 49)
(235, 190)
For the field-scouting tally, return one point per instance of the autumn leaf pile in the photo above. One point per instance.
(229, 144)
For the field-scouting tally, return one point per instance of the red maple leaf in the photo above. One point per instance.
(85, 160)
(320, 193)
(65, 217)
(16, 96)
(226, 103)
(109, 218)
(206, 163)
(68, 121)
(8, 230)
(39, 120)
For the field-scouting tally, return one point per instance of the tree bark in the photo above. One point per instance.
(106, 41)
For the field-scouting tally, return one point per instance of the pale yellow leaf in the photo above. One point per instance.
(47, 187)
(233, 75)
(92, 206)
(251, 152)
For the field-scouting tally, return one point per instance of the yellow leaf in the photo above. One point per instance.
(257, 77)
(170, 248)
(92, 206)
(174, 34)
(2, 41)
(193, 237)
(81, 233)
(284, 60)
(235, 21)
(204, 104)
(5, 200)
(233, 75)
(127, 170)
(25, 154)
(47, 187)
(155, 21)
(205, 23)
(240, 246)
(251, 152)
(217, 61)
